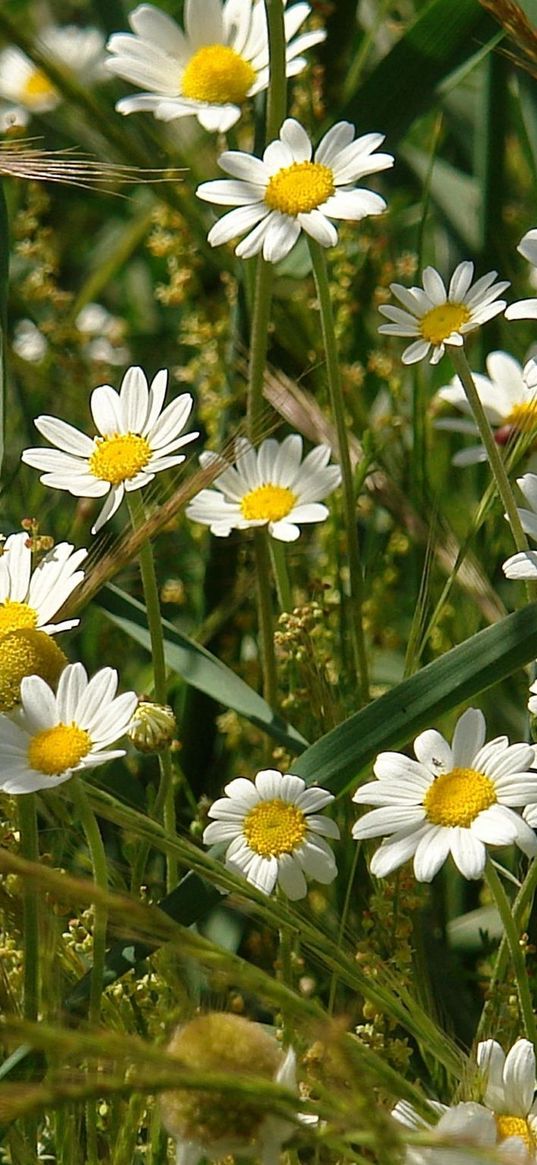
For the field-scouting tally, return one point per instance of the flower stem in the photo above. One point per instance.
(266, 617)
(29, 847)
(100, 874)
(281, 575)
(165, 800)
(512, 936)
(258, 346)
(277, 90)
(462, 368)
(349, 499)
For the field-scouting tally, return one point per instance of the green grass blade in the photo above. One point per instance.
(4, 279)
(199, 668)
(403, 84)
(396, 717)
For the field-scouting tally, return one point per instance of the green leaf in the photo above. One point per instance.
(199, 668)
(4, 281)
(457, 195)
(403, 84)
(396, 717)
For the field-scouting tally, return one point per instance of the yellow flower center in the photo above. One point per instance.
(457, 797)
(217, 74)
(299, 188)
(15, 615)
(267, 503)
(515, 1126)
(118, 458)
(26, 653)
(274, 827)
(523, 417)
(56, 749)
(36, 88)
(439, 323)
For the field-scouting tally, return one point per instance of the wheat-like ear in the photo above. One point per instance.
(519, 29)
(20, 158)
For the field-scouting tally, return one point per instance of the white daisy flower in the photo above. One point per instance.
(52, 736)
(220, 1042)
(452, 799)
(437, 316)
(509, 398)
(136, 440)
(30, 598)
(80, 50)
(509, 1085)
(525, 309)
(465, 1131)
(523, 565)
(274, 831)
(287, 192)
(209, 70)
(269, 486)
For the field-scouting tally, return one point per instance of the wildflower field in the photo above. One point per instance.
(268, 567)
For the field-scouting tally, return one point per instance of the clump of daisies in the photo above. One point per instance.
(433, 315)
(452, 799)
(137, 438)
(289, 191)
(270, 486)
(275, 832)
(209, 69)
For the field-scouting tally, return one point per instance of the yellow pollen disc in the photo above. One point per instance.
(56, 749)
(523, 417)
(456, 798)
(36, 87)
(27, 653)
(118, 458)
(299, 188)
(267, 503)
(515, 1126)
(274, 827)
(438, 323)
(15, 615)
(217, 74)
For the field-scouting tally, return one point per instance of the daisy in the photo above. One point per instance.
(452, 799)
(509, 398)
(136, 439)
(287, 192)
(509, 1090)
(209, 70)
(466, 1131)
(438, 317)
(525, 309)
(219, 1126)
(30, 598)
(52, 736)
(274, 831)
(78, 49)
(270, 486)
(463, 1127)
(523, 565)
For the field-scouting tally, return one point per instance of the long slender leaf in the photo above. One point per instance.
(403, 84)
(391, 721)
(199, 668)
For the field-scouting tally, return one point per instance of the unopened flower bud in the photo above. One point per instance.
(153, 726)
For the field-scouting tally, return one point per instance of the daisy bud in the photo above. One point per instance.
(214, 1124)
(153, 726)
